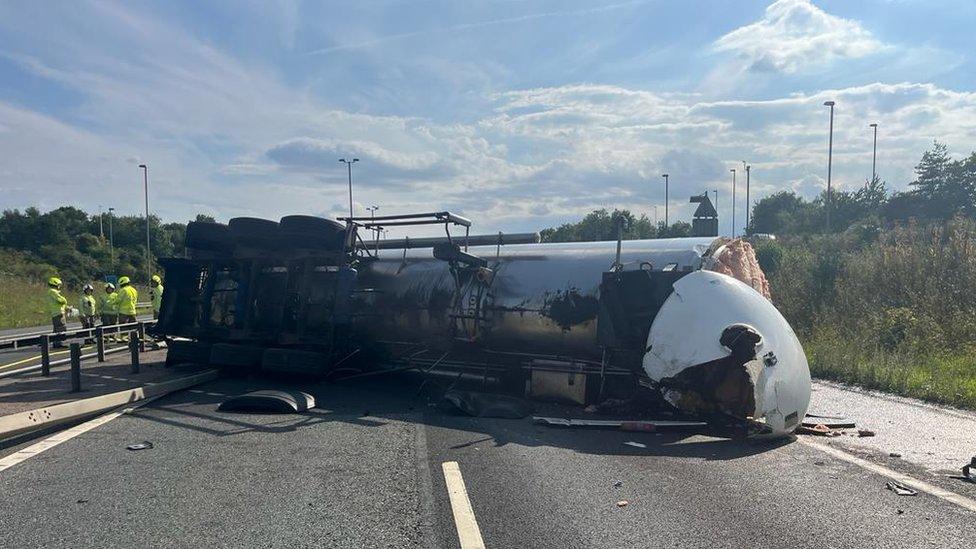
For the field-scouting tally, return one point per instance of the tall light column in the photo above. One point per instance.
(874, 153)
(145, 181)
(111, 240)
(349, 166)
(748, 204)
(665, 176)
(830, 159)
(733, 202)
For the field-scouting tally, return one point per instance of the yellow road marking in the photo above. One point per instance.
(921, 486)
(467, 526)
(38, 357)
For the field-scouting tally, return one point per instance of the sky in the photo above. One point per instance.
(518, 114)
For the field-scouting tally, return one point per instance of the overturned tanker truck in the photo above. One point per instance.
(579, 321)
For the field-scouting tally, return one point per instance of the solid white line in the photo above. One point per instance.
(467, 527)
(66, 435)
(921, 486)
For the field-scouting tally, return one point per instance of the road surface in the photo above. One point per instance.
(365, 470)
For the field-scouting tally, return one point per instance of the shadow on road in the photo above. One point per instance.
(376, 403)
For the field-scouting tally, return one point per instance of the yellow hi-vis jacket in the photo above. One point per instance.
(156, 296)
(126, 301)
(55, 302)
(106, 303)
(87, 305)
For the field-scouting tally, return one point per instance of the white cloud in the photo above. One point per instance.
(793, 34)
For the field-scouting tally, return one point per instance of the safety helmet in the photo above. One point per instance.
(89, 288)
(156, 279)
(123, 280)
(109, 286)
(54, 282)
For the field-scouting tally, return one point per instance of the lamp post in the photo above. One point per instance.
(874, 152)
(748, 204)
(349, 164)
(830, 159)
(145, 182)
(372, 215)
(733, 202)
(111, 240)
(101, 231)
(665, 176)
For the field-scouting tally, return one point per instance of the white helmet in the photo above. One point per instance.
(109, 286)
(89, 288)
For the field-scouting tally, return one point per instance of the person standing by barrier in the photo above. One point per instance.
(86, 307)
(107, 307)
(56, 304)
(156, 294)
(126, 302)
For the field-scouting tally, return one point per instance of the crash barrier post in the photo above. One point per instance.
(45, 355)
(100, 343)
(142, 337)
(134, 343)
(75, 367)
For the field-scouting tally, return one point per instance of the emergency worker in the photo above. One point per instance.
(126, 302)
(107, 308)
(86, 307)
(56, 304)
(156, 294)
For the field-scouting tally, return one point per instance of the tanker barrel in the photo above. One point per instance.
(473, 240)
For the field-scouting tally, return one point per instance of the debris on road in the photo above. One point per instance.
(969, 471)
(900, 489)
(644, 425)
(273, 402)
(618, 484)
(635, 444)
(819, 429)
(894, 454)
(144, 445)
(477, 404)
(623, 503)
(865, 433)
(832, 422)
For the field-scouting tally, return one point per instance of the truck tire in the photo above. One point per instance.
(254, 231)
(207, 236)
(187, 352)
(242, 357)
(309, 232)
(290, 361)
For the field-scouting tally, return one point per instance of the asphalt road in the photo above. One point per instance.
(364, 470)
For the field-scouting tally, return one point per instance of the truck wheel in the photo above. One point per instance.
(309, 232)
(253, 231)
(207, 236)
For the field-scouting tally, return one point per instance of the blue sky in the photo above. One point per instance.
(520, 114)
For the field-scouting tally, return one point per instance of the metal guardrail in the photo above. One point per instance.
(135, 331)
(33, 339)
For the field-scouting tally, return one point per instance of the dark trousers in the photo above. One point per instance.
(87, 321)
(126, 319)
(59, 327)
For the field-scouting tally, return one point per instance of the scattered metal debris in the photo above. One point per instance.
(818, 429)
(643, 425)
(487, 404)
(832, 422)
(144, 445)
(894, 454)
(865, 433)
(900, 489)
(623, 503)
(969, 471)
(271, 401)
(635, 444)
(618, 484)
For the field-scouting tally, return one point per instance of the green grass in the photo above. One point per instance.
(23, 304)
(946, 379)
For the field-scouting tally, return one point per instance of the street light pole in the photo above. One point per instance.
(666, 192)
(111, 240)
(874, 153)
(748, 204)
(145, 181)
(349, 166)
(372, 216)
(830, 159)
(733, 202)
(101, 230)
